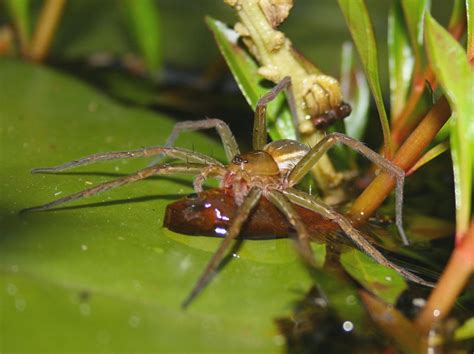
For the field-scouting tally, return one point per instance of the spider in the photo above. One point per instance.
(269, 171)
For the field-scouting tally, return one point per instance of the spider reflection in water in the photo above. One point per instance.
(269, 171)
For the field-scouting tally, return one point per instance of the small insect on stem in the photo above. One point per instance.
(266, 174)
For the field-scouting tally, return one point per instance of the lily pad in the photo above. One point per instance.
(102, 274)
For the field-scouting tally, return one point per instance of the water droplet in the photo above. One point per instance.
(436, 313)
(84, 247)
(388, 278)
(134, 321)
(347, 326)
(185, 264)
(85, 309)
(159, 250)
(350, 300)
(11, 289)
(20, 304)
(235, 255)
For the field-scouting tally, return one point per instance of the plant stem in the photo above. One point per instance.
(45, 29)
(452, 281)
(406, 157)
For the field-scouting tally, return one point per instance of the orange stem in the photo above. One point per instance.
(406, 157)
(454, 278)
(45, 29)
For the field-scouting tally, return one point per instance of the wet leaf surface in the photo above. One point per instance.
(103, 274)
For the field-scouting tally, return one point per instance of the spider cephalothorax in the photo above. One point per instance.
(266, 173)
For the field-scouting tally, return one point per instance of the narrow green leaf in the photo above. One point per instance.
(470, 30)
(244, 70)
(400, 59)
(357, 18)
(414, 11)
(431, 154)
(20, 12)
(145, 25)
(465, 331)
(384, 282)
(356, 92)
(451, 66)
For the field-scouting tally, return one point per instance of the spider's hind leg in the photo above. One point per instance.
(317, 151)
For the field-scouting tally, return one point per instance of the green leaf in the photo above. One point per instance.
(470, 29)
(144, 23)
(400, 59)
(465, 331)
(414, 11)
(451, 66)
(103, 275)
(357, 18)
(384, 282)
(244, 70)
(431, 154)
(356, 92)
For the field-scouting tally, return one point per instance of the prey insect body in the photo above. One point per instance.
(266, 174)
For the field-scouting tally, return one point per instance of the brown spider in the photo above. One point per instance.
(268, 171)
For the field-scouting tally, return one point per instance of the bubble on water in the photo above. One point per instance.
(85, 309)
(134, 321)
(11, 289)
(347, 326)
(20, 304)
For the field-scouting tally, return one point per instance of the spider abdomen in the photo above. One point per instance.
(286, 153)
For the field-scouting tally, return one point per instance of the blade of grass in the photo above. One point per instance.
(244, 70)
(356, 92)
(144, 22)
(401, 60)
(449, 62)
(470, 30)
(431, 154)
(357, 18)
(20, 12)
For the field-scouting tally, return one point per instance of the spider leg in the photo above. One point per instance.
(191, 169)
(309, 202)
(260, 121)
(228, 140)
(244, 211)
(179, 153)
(308, 161)
(303, 240)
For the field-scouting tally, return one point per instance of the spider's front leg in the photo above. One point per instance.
(228, 140)
(243, 213)
(259, 137)
(308, 161)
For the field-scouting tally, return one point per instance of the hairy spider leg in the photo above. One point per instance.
(228, 140)
(178, 153)
(309, 202)
(308, 161)
(303, 239)
(189, 169)
(243, 212)
(259, 137)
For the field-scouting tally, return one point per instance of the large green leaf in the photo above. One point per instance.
(451, 65)
(103, 274)
(358, 20)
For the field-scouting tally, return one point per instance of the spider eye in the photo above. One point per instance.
(238, 159)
